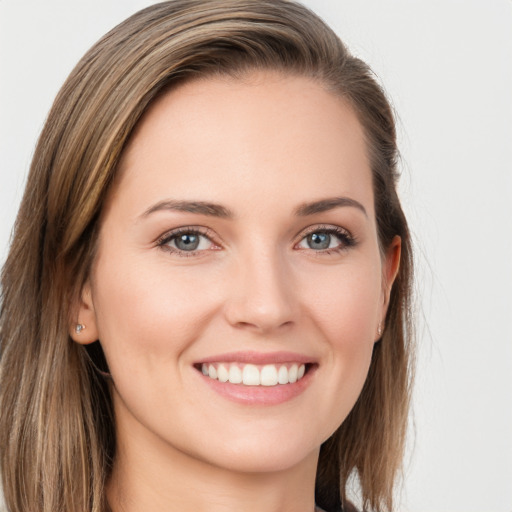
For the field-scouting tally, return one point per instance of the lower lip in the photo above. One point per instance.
(260, 395)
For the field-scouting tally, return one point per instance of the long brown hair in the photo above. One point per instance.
(57, 436)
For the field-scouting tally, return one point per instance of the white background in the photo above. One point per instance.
(447, 66)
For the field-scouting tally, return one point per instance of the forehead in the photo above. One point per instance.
(228, 138)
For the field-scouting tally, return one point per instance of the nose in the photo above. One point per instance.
(262, 298)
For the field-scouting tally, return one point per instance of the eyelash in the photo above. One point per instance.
(165, 239)
(346, 239)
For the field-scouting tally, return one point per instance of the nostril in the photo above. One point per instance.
(264, 325)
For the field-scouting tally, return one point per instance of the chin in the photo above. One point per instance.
(266, 449)
(266, 459)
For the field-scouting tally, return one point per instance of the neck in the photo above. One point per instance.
(150, 475)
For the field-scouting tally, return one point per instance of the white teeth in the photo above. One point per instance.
(292, 373)
(268, 375)
(282, 376)
(252, 375)
(222, 373)
(235, 374)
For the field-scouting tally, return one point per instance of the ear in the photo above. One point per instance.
(83, 326)
(390, 268)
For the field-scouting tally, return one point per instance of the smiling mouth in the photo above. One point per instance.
(255, 375)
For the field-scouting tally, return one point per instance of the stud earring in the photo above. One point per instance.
(79, 328)
(379, 329)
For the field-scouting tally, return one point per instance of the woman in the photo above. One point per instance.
(206, 300)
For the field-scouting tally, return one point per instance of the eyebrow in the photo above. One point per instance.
(217, 210)
(328, 204)
(200, 207)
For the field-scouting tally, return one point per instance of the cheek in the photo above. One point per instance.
(346, 303)
(145, 313)
(345, 306)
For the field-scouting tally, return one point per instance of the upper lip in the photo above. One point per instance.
(254, 357)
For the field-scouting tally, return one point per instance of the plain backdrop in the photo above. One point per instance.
(447, 67)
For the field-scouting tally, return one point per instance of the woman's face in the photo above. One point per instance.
(239, 244)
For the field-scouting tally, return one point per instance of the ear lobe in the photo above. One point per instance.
(83, 328)
(390, 269)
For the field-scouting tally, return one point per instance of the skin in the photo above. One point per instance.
(260, 147)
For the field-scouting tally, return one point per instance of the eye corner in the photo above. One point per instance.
(204, 241)
(324, 235)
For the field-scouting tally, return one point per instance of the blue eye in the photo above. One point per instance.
(327, 239)
(186, 241)
(319, 241)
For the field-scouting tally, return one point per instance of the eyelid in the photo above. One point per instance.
(347, 239)
(199, 230)
(165, 238)
(332, 228)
